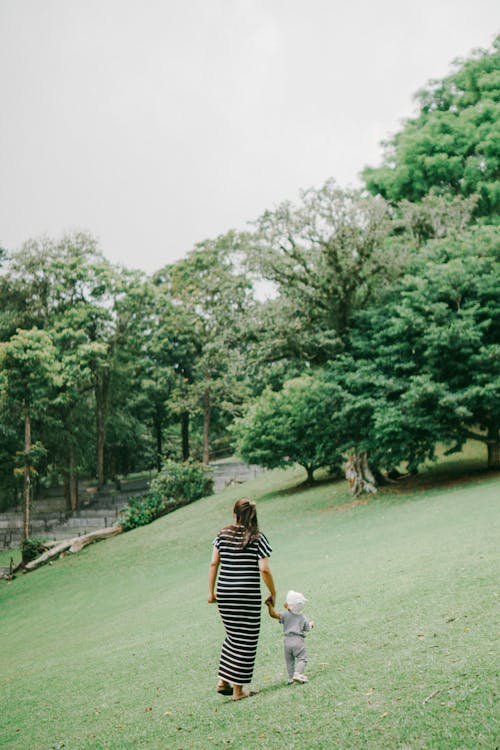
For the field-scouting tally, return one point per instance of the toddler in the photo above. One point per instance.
(295, 625)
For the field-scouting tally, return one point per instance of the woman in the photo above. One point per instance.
(242, 552)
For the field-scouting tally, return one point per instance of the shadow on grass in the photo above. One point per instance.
(442, 475)
(436, 476)
(268, 689)
(305, 486)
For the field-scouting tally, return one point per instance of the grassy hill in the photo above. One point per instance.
(116, 647)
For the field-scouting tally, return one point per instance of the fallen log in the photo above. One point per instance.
(73, 545)
(94, 536)
(48, 555)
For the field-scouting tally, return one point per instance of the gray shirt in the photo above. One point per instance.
(294, 624)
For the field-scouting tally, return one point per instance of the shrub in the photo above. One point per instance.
(31, 549)
(142, 510)
(182, 482)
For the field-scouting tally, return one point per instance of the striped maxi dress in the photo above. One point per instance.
(240, 602)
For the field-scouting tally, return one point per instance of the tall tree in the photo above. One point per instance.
(70, 279)
(327, 256)
(430, 358)
(452, 145)
(29, 379)
(217, 296)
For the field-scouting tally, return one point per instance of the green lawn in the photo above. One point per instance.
(7, 554)
(116, 647)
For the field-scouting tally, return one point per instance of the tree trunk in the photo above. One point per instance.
(358, 474)
(73, 480)
(100, 447)
(185, 435)
(493, 449)
(66, 492)
(206, 426)
(310, 474)
(157, 426)
(27, 478)
(102, 399)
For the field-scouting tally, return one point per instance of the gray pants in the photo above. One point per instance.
(295, 654)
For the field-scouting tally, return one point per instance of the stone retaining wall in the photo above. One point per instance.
(50, 520)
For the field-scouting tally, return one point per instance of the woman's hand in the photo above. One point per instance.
(267, 576)
(212, 598)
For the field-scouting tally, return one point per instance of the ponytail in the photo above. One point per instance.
(246, 515)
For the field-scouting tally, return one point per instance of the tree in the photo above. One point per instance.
(212, 292)
(452, 145)
(429, 358)
(328, 256)
(298, 424)
(67, 285)
(29, 379)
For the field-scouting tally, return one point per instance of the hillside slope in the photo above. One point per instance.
(116, 647)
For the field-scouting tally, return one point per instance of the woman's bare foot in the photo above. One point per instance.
(239, 693)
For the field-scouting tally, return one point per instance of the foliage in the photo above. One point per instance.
(298, 424)
(452, 145)
(393, 295)
(327, 256)
(176, 485)
(212, 293)
(31, 549)
(426, 365)
(30, 372)
(182, 482)
(142, 510)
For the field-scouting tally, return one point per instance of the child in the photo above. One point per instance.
(295, 625)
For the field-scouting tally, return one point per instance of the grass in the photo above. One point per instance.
(7, 554)
(116, 647)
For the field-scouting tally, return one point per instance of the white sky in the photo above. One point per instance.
(155, 124)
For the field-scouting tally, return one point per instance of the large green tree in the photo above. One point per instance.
(426, 365)
(67, 286)
(29, 379)
(453, 144)
(212, 293)
(299, 424)
(327, 256)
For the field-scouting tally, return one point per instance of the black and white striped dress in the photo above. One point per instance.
(240, 602)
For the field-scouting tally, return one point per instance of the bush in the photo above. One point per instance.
(142, 510)
(31, 549)
(182, 482)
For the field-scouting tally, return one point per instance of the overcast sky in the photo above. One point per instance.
(155, 124)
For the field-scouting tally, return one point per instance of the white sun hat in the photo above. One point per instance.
(295, 602)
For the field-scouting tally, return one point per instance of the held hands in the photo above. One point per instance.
(212, 598)
(269, 601)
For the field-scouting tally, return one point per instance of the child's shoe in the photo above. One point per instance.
(300, 677)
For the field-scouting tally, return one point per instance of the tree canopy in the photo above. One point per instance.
(379, 339)
(453, 144)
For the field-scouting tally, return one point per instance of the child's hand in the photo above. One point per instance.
(269, 601)
(311, 624)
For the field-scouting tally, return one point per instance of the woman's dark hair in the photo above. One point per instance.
(245, 511)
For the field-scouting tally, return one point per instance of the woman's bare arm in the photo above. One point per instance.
(267, 577)
(212, 575)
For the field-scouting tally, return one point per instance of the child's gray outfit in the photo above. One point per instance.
(294, 629)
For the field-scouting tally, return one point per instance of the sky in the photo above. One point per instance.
(157, 124)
